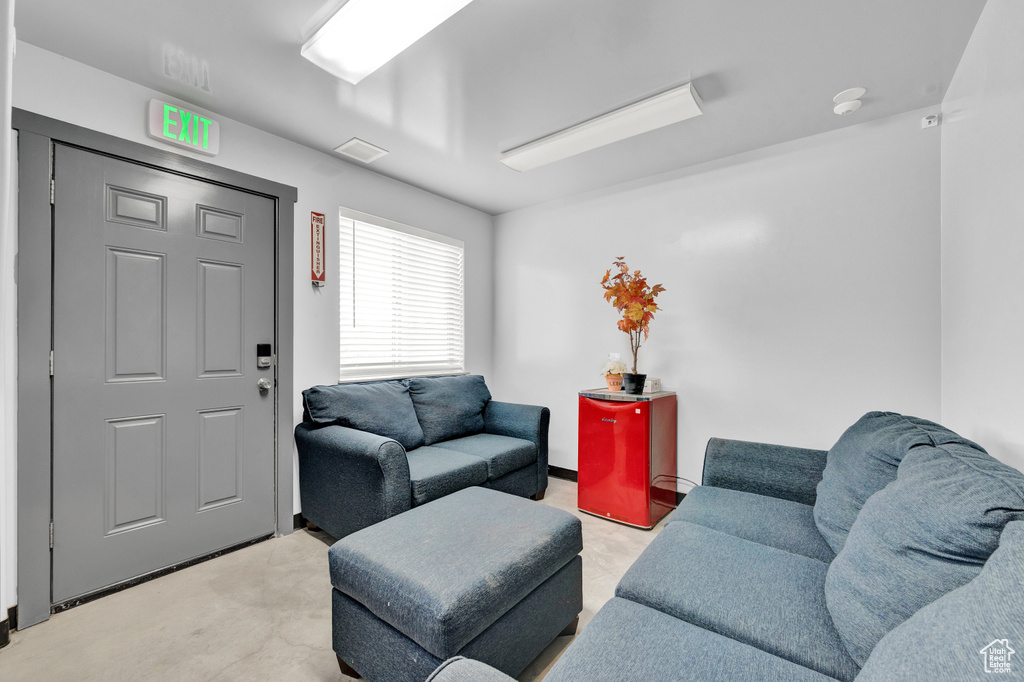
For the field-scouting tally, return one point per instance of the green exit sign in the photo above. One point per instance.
(182, 126)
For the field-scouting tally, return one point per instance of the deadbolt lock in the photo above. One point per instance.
(264, 355)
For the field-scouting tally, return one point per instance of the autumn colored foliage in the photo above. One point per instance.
(632, 297)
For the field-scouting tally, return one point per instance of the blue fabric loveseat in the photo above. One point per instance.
(372, 450)
(896, 555)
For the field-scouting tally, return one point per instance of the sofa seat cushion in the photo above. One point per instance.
(435, 472)
(863, 461)
(503, 454)
(442, 573)
(763, 596)
(630, 641)
(958, 636)
(767, 520)
(925, 534)
(461, 669)
(449, 407)
(381, 407)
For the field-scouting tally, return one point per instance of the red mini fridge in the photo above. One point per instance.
(627, 456)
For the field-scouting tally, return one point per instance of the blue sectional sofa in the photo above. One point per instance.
(896, 555)
(372, 450)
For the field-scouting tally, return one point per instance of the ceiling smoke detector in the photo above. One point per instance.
(844, 108)
(848, 95)
(848, 101)
(361, 150)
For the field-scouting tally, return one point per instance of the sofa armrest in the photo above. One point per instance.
(774, 470)
(350, 479)
(461, 669)
(529, 422)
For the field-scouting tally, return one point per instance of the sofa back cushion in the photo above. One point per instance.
(863, 461)
(449, 407)
(966, 633)
(925, 534)
(381, 407)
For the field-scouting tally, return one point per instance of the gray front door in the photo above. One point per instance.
(163, 444)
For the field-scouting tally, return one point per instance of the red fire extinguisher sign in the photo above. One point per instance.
(316, 231)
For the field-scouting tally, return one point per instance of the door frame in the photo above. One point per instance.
(36, 136)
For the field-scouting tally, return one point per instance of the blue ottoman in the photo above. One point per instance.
(478, 573)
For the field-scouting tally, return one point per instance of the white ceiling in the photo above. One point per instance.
(504, 72)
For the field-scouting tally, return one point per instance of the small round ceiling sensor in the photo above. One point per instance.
(849, 95)
(849, 107)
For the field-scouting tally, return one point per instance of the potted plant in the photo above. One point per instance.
(634, 299)
(613, 371)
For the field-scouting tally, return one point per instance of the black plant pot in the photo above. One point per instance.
(633, 383)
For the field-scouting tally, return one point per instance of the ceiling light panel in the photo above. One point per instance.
(671, 106)
(364, 35)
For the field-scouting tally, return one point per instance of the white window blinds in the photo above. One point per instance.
(401, 300)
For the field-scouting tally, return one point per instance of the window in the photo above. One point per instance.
(401, 300)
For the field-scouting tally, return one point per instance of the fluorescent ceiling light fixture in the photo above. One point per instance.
(671, 106)
(364, 35)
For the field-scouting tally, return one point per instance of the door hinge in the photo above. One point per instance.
(51, 534)
(52, 190)
(51, 363)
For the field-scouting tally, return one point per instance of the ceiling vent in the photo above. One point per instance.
(361, 150)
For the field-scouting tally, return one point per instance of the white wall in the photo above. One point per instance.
(802, 290)
(983, 237)
(60, 88)
(8, 378)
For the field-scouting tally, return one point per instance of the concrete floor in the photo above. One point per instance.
(261, 613)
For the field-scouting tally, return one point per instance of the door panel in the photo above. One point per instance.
(135, 465)
(220, 319)
(220, 457)
(136, 208)
(222, 225)
(136, 317)
(163, 447)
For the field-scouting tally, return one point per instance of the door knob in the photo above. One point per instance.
(263, 385)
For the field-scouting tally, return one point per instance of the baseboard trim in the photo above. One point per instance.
(564, 474)
(5, 633)
(570, 475)
(298, 521)
(12, 617)
(120, 587)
